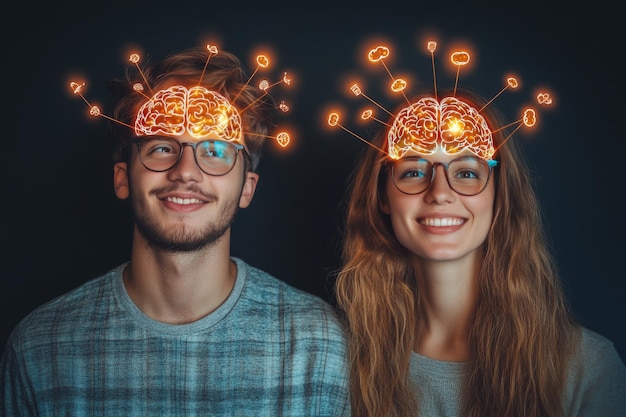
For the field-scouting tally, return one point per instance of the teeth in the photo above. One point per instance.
(448, 221)
(184, 200)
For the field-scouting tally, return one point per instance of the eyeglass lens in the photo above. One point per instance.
(160, 153)
(466, 175)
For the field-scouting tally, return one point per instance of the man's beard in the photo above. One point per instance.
(179, 238)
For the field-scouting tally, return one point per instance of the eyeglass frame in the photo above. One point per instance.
(491, 163)
(194, 145)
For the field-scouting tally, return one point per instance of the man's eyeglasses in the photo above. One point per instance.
(213, 157)
(466, 175)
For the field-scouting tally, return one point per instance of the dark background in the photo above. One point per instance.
(62, 224)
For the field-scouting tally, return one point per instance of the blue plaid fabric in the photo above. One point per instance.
(268, 350)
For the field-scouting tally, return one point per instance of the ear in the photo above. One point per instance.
(384, 207)
(249, 186)
(383, 204)
(120, 180)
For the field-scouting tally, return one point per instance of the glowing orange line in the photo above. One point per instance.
(84, 99)
(494, 97)
(392, 79)
(144, 78)
(379, 106)
(361, 139)
(381, 122)
(248, 106)
(115, 120)
(432, 54)
(505, 126)
(245, 85)
(508, 137)
(456, 82)
(258, 134)
(206, 64)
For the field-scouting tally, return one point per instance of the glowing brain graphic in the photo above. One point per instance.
(452, 124)
(197, 111)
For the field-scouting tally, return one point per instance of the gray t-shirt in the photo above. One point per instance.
(268, 350)
(596, 382)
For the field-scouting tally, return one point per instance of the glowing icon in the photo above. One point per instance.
(333, 119)
(460, 58)
(429, 123)
(544, 98)
(378, 53)
(530, 117)
(76, 88)
(196, 111)
(262, 61)
(398, 85)
(283, 139)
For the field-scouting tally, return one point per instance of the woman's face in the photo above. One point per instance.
(440, 224)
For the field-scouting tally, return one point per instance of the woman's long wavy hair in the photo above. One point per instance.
(521, 331)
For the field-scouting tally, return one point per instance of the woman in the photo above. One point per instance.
(451, 296)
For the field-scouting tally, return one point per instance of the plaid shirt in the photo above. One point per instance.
(268, 350)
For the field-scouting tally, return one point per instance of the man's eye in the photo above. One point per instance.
(163, 149)
(216, 153)
(215, 150)
(213, 153)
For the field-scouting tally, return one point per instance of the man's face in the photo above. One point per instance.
(183, 209)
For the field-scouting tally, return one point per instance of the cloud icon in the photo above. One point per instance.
(378, 53)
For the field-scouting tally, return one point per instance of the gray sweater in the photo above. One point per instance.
(596, 382)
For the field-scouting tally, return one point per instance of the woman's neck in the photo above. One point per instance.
(447, 292)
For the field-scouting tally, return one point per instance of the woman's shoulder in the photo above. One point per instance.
(594, 345)
(596, 377)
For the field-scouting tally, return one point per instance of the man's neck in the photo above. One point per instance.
(178, 288)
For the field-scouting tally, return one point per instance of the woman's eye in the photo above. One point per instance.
(412, 173)
(466, 174)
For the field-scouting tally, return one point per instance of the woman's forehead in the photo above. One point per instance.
(439, 155)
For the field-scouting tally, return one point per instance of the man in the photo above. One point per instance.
(182, 328)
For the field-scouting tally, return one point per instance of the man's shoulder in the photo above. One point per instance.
(268, 286)
(65, 309)
(265, 292)
(298, 314)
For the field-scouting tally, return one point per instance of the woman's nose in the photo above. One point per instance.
(439, 190)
